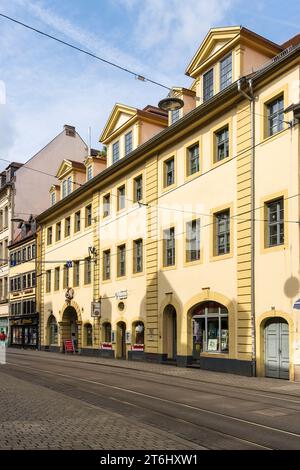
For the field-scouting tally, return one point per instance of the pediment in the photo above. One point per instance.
(215, 40)
(65, 167)
(119, 116)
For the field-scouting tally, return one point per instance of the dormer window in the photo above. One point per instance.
(69, 185)
(89, 172)
(53, 198)
(208, 85)
(128, 143)
(226, 72)
(116, 152)
(64, 188)
(175, 115)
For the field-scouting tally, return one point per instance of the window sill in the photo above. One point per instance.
(272, 249)
(215, 164)
(221, 257)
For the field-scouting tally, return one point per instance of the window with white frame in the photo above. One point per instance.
(193, 160)
(192, 241)
(138, 256)
(222, 144)
(275, 232)
(275, 114)
(106, 265)
(169, 172)
(115, 152)
(128, 143)
(89, 172)
(208, 85)
(169, 247)
(226, 72)
(121, 260)
(222, 233)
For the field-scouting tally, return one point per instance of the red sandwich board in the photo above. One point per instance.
(69, 346)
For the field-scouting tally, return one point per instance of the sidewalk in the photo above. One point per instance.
(198, 375)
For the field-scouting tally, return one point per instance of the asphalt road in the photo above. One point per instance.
(50, 403)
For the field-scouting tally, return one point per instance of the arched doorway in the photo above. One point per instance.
(106, 332)
(210, 328)
(121, 340)
(170, 331)
(70, 326)
(276, 342)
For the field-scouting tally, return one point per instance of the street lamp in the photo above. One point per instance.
(171, 103)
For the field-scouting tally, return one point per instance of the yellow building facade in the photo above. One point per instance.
(187, 242)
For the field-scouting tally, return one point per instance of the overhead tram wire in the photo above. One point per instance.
(182, 185)
(83, 51)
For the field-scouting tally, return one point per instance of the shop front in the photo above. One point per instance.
(24, 331)
(4, 325)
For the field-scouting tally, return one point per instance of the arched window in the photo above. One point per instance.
(106, 332)
(88, 333)
(138, 333)
(53, 330)
(210, 328)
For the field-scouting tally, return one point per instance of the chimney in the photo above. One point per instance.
(70, 130)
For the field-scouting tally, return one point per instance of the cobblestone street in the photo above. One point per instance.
(34, 417)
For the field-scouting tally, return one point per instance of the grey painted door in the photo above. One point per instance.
(277, 360)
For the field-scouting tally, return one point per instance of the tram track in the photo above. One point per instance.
(150, 399)
(252, 393)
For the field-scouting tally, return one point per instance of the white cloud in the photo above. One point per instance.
(174, 28)
(48, 87)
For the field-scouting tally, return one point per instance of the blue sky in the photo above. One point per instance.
(48, 85)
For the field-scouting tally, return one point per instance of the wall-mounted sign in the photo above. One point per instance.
(106, 346)
(121, 294)
(69, 264)
(297, 304)
(96, 309)
(137, 347)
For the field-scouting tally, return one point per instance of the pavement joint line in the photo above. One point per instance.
(251, 391)
(184, 405)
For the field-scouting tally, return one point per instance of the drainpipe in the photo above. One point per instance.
(250, 96)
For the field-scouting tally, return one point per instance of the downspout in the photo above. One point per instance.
(250, 96)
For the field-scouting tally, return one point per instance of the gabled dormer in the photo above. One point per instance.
(128, 127)
(71, 175)
(54, 194)
(225, 55)
(94, 164)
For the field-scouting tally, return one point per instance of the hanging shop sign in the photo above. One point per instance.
(96, 309)
(121, 294)
(113, 336)
(297, 304)
(69, 294)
